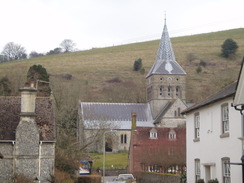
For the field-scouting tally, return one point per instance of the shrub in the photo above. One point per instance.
(229, 48)
(191, 57)
(203, 63)
(213, 181)
(137, 64)
(4, 86)
(200, 181)
(199, 69)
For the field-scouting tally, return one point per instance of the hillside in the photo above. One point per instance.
(105, 74)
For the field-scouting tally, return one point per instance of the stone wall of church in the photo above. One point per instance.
(119, 141)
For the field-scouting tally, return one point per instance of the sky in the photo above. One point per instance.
(41, 25)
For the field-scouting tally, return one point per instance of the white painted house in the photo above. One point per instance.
(214, 139)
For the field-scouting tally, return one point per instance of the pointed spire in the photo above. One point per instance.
(165, 61)
(165, 50)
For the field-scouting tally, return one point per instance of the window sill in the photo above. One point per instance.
(196, 140)
(224, 135)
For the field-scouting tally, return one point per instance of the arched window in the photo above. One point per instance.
(123, 138)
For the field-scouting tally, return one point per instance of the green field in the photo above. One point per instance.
(91, 69)
(113, 160)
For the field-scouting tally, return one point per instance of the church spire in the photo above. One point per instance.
(165, 61)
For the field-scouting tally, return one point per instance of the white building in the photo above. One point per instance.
(214, 133)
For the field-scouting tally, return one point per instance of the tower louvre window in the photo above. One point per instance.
(161, 90)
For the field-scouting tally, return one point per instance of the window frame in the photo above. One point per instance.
(197, 169)
(225, 126)
(153, 133)
(197, 126)
(226, 173)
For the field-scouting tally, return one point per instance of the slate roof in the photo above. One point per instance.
(165, 62)
(114, 115)
(226, 92)
(143, 135)
(10, 117)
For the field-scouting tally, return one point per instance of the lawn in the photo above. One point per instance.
(112, 160)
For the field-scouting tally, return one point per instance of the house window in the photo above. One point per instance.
(123, 139)
(178, 111)
(153, 134)
(171, 151)
(197, 125)
(226, 170)
(225, 118)
(172, 135)
(197, 170)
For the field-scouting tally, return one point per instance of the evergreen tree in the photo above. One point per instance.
(229, 47)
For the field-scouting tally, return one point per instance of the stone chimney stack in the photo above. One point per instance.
(133, 121)
(28, 101)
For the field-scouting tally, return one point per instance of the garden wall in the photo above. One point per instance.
(158, 178)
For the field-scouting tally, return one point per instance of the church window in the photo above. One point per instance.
(161, 90)
(178, 111)
(169, 91)
(177, 89)
(123, 139)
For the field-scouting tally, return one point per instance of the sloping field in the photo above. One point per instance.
(106, 74)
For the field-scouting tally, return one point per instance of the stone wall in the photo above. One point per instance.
(29, 165)
(157, 178)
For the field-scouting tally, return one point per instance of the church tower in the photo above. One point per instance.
(166, 78)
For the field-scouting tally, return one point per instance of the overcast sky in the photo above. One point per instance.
(41, 25)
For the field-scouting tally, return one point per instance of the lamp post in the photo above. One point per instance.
(104, 150)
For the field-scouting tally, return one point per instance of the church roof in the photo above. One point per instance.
(10, 117)
(115, 115)
(165, 62)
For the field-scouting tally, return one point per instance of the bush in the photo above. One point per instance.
(191, 57)
(199, 69)
(229, 48)
(137, 64)
(200, 181)
(203, 63)
(213, 181)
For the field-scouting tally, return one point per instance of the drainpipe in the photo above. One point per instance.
(14, 157)
(40, 152)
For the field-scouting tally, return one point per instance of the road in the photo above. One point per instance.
(109, 179)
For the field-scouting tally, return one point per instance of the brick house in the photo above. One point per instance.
(27, 136)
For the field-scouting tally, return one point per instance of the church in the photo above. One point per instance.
(165, 90)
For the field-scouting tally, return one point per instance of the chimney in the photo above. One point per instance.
(133, 121)
(28, 99)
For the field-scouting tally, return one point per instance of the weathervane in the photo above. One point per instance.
(165, 17)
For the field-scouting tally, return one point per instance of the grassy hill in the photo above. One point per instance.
(105, 74)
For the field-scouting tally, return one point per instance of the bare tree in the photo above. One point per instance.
(67, 45)
(12, 51)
